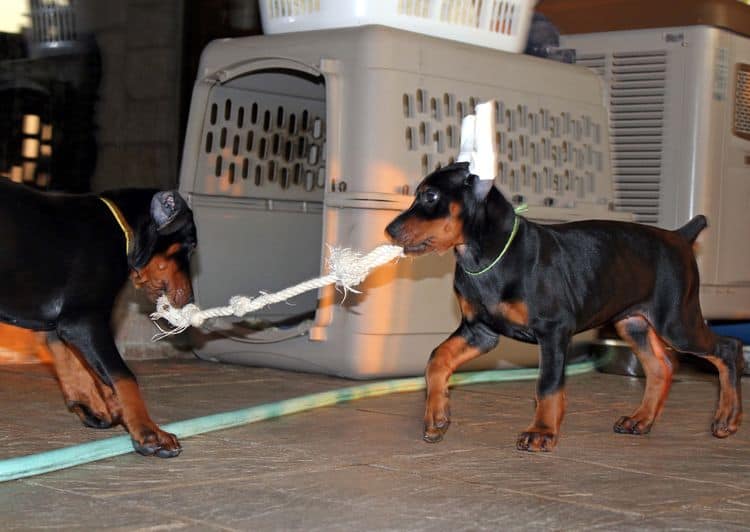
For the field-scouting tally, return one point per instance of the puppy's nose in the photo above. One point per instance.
(393, 229)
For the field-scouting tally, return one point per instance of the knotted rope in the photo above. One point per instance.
(347, 268)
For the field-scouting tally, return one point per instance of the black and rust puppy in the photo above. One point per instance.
(63, 259)
(544, 283)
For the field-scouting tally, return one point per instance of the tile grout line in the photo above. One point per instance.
(515, 492)
(140, 506)
(646, 473)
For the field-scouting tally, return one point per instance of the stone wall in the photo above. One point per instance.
(138, 113)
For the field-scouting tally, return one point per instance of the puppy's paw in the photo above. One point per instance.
(437, 418)
(632, 425)
(433, 433)
(536, 441)
(727, 419)
(721, 428)
(157, 443)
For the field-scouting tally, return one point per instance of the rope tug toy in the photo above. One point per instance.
(347, 268)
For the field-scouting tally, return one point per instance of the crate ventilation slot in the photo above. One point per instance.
(545, 156)
(636, 86)
(742, 101)
(258, 145)
(292, 8)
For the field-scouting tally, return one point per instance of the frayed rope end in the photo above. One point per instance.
(179, 318)
(351, 267)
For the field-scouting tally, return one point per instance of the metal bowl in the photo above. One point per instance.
(615, 357)
(611, 356)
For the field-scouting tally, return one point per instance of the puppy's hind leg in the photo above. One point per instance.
(651, 352)
(730, 362)
(85, 395)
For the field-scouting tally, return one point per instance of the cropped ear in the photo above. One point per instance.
(169, 212)
(480, 187)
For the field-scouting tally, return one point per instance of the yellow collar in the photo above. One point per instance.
(122, 222)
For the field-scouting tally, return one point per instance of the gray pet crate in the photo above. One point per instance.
(301, 141)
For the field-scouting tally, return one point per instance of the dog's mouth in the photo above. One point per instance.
(155, 292)
(178, 297)
(163, 277)
(414, 243)
(420, 248)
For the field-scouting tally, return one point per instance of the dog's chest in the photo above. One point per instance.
(497, 303)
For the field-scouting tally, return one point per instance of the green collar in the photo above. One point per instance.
(519, 209)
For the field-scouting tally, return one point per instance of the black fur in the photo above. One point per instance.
(63, 261)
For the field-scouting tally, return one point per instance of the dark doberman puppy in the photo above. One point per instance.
(544, 283)
(63, 259)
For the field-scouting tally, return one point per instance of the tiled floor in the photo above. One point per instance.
(363, 466)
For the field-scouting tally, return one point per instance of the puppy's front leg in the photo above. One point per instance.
(544, 431)
(468, 342)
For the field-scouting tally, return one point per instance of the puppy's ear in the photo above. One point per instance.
(479, 187)
(169, 212)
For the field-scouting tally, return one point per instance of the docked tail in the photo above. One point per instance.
(692, 229)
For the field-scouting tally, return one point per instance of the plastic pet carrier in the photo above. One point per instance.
(301, 141)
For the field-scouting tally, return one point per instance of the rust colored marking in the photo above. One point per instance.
(662, 366)
(162, 274)
(652, 354)
(729, 412)
(439, 235)
(467, 309)
(448, 356)
(549, 413)
(147, 436)
(135, 415)
(544, 432)
(454, 227)
(514, 311)
(80, 386)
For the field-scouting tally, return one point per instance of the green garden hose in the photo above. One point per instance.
(45, 462)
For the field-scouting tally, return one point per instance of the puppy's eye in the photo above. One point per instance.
(429, 197)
